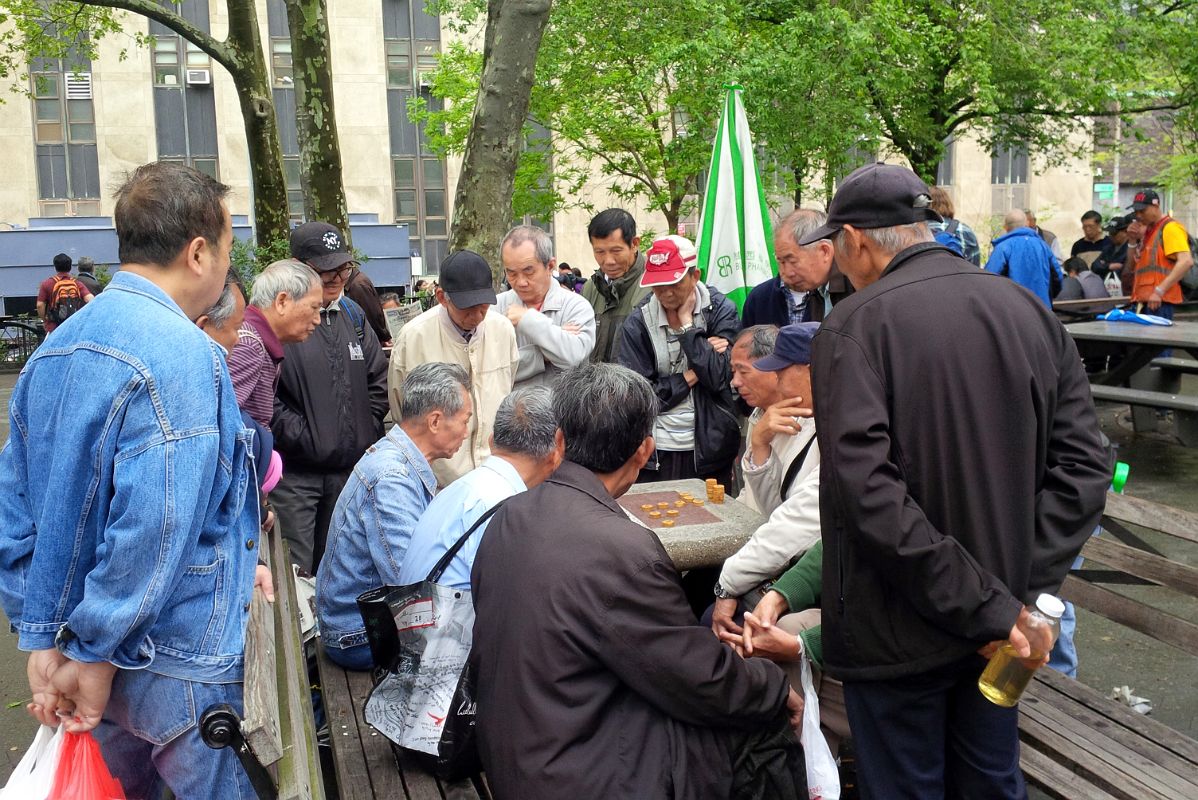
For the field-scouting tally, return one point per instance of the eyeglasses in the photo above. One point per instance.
(333, 275)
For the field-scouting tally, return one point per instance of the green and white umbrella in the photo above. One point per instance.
(735, 252)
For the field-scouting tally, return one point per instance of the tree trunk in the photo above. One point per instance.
(320, 151)
(258, 114)
(482, 209)
(798, 171)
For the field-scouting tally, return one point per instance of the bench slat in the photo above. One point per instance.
(1160, 625)
(1143, 565)
(1058, 780)
(1144, 397)
(1166, 519)
(349, 758)
(420, 785)
(380, 759)
(1156, 732)
(1051, 732)
(1126, 734)
(1176, 365)
(261, 700)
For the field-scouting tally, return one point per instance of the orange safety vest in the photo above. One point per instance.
(1153, 266)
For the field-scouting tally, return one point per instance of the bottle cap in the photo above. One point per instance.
(1122, 470)
(1050, 606)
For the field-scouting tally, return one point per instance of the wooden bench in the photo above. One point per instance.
(1185, 418)
(1077, 743)
(1088, 308)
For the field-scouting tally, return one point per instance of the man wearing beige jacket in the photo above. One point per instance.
(461, 329)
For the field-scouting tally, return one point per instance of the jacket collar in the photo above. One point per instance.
(579, 477)
(136, 284)
(632, 278)
(413, 456)
(903, 256)
(1024, 231)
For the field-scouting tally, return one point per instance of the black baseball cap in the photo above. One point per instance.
(877, 196)
(320, 245)
(1144, 199)
(792, 347)
(466, 278)
(1117, 224)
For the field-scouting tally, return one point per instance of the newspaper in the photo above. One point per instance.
(398, 317)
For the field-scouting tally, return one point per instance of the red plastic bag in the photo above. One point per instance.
(82, 773)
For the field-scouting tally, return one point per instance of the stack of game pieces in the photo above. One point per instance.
(715, 491)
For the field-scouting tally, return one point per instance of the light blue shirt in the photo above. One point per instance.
(450, 514)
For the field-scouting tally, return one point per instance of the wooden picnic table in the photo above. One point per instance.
(1142, 342)
(1087, 307)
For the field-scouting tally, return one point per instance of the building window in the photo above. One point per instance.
(295, 191)
(64, 136)
(399, 64)
(1008, 165)
(172, 55)
(280, 62)
(944, 172)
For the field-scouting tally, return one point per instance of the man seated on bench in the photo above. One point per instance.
(593, 679)
(388, 490)
(526, 447)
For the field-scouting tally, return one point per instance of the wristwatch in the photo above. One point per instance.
(1159, 292)
(723, 593)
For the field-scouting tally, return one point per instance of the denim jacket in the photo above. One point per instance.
(126, 534)
(386, 495)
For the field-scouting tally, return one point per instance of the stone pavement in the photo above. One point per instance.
(1161, 470)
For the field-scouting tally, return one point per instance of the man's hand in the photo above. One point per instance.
(40, 670)
(686, 312)
(721, 617)
(794, 708)
(515, 313)
(264, 581)
(766, 640)
(1135, 231)
(780, 418)
(1153, 302)
(987, 651)
(772, 606)
(718, 343)
(691, 377)
(84, 690)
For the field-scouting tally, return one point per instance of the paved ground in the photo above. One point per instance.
(1110, 656)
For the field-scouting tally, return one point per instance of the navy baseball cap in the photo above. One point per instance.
(877, 196)
(793, 347)
(466, 278)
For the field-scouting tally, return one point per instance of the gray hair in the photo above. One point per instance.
(760, 340)
(85, 263)
(222, 309)
(1015, 218)
(525, 423)
(434, 386)
(290, 277)
(604, 411)
(530, 233)
(801, 222)
(890, 240)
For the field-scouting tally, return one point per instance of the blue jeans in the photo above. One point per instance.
(934, 735)
(1063, 657)
(150, 738)
(356, 658)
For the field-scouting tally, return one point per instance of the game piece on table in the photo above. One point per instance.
(667, 523)
(654, 514)
(663, 504)
(673, 512)
(647, 507)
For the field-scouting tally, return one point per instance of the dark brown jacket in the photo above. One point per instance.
(361, 290)
(594, 680)
(961, 463)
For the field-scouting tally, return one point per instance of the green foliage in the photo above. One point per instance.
(248, 258)
(103, 274)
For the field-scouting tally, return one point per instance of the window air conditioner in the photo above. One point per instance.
(199, 77)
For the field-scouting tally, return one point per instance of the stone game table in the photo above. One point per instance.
(702, 536)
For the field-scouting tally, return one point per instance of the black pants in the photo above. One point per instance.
(934, 736)
(678, 465)
(304, 503)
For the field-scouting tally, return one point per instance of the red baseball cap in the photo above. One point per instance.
(668, 261)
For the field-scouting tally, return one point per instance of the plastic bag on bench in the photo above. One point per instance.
(823, 779)
(425, 701)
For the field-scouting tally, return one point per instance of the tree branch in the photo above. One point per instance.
(218, 50)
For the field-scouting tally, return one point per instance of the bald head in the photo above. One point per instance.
(1015, 218)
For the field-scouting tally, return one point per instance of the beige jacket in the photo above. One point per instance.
(490, 359)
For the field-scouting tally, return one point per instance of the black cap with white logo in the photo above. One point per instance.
(877, 196)
(320, 245)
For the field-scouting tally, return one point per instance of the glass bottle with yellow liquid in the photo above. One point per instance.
(1007, 675)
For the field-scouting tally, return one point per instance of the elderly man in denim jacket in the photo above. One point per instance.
(387, 492)
(130, 582)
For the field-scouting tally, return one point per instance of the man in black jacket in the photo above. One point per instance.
(678, 338)
(331, 399)
(593, 679)
(962, 470)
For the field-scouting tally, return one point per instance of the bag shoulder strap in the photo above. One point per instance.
(356, 315)
(794, 468)
(952, 226)
(435, 575)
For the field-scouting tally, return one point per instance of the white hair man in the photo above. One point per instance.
(957, 437)
(555, 327)
(284, 307)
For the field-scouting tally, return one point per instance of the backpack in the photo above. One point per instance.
(1189, 281)
(65, 299)
(949, 237)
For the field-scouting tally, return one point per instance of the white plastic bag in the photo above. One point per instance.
(823, 779)
(34, 775)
